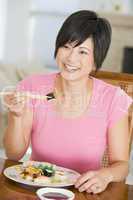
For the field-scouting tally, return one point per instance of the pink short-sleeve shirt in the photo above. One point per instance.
(77, 143)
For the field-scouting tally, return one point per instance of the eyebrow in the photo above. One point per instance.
(86, 48)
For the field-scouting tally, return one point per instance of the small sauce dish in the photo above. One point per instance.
(55, 194)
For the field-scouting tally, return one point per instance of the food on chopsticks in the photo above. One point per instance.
(42, 173)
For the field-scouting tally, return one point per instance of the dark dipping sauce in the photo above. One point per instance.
(55, 195)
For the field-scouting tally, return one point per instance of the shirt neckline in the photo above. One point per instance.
(88, 109)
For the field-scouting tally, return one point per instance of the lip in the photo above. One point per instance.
(71, 67)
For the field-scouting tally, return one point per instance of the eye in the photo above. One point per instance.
(83, 52)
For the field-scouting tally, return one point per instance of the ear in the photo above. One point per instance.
(94, 68)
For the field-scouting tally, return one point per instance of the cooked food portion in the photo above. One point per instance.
(31, 172)
(42, 173)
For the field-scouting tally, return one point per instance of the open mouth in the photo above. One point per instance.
(71, 69)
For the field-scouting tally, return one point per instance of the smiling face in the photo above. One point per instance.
(77, 62)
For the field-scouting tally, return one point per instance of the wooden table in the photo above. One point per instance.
(10, 190)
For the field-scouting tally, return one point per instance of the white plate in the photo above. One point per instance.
(13, 174)
(42, 191)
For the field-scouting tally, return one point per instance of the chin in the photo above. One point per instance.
(70, 77)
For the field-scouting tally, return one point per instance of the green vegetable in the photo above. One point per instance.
(47, 170)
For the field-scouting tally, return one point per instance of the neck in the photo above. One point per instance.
(76, 88)
(71, 95)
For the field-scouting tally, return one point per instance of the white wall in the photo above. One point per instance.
(3, 13)
(47, 18)
(111, 6)
(16, 44)
(62, 6)
(43, 42)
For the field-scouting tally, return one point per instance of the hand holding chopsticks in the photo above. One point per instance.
(16, 101)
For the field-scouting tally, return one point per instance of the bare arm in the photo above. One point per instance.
(17, 134)
(118, 143)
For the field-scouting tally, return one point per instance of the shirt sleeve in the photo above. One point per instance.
(24, 85)
(119, 107)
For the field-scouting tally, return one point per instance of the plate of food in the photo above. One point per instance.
(41, 174)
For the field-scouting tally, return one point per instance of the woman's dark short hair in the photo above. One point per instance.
(84, 24)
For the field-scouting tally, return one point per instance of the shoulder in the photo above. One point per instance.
(104, 89)
(111, 91)
(36, 81)
(110, 96)
(38, 78)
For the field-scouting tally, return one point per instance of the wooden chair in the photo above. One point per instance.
(125, 81)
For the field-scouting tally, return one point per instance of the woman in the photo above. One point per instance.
(86, 116)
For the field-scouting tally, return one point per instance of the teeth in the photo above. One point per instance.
(71, 69)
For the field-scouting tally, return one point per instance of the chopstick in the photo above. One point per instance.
(49, 96)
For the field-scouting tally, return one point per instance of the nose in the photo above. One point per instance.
(72, 56)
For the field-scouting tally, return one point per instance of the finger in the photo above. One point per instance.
(16, 106)
(83, 178)
(8, 102)
(18, 101)
(87, 185)
(96, 189)
(24, 97)
(15, 102)
(8, 98)
(89, 190)
(19, 95)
